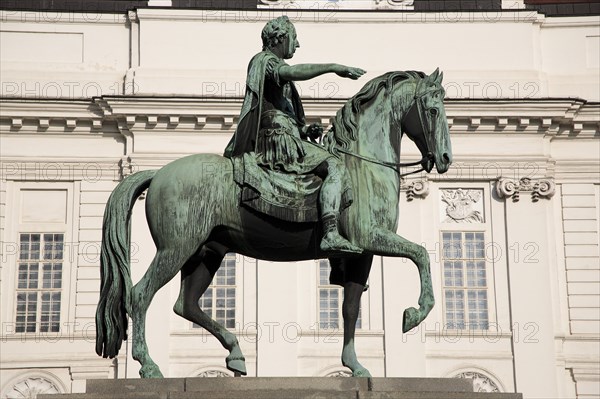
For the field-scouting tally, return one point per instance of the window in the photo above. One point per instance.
(219, 299)
(39, 282)
(330, 300)
(465, 280)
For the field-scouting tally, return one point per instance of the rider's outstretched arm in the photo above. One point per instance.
(309, 71)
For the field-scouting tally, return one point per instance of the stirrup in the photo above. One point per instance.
(339, 244)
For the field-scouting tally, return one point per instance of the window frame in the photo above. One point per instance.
(14, 227)
(39, 288)
(490, 258)
(464, 287)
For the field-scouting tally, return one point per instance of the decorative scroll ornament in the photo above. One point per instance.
(481, 383)
(461, 206)
(125, 167)
(543, 187)
(31, 388)
(340, 373)
(213, 374)
(415, 188)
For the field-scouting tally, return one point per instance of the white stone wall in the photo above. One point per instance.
(187, 68)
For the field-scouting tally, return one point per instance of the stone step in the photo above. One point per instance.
(283, 388)
(288, 394)
(278, 383)
(438, 395)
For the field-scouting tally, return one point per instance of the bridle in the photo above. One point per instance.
(418, 101)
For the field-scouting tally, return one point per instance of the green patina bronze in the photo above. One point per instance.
(278, 195)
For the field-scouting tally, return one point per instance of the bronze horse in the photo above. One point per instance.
(193, 212)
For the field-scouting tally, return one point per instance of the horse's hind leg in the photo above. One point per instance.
(196, 276)
(356, 273)
(386, 243)
(163, 268)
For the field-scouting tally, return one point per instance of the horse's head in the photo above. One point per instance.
(426, 125)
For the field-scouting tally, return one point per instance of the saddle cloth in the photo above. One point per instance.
(286, 196)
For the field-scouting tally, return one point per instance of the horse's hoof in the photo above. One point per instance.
(410, 320)
(236, 364)
(150, 372)
(362, 372)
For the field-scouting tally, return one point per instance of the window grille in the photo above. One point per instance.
(331, 298)
(39, 282)
(465, 280)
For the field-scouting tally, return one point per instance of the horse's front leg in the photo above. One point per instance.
(387, 243)
(356, 273)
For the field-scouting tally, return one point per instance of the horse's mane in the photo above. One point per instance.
(345, 124)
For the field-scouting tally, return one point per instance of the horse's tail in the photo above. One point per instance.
(115, 277)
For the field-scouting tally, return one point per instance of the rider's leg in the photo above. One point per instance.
(330, 199)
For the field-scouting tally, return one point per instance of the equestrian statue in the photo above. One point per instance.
(283, 191)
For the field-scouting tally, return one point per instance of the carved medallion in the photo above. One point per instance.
(213, 374)
(462, 206)
(30, 388)
(481, 383)
(340, 373)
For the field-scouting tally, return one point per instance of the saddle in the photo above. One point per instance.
(286, 196)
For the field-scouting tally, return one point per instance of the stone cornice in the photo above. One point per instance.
(53, 17)
(338, 15)
(551, 117)
(313, 14)
(68, 113)
(555, 118)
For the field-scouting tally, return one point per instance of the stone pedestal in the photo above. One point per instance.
(283, 388)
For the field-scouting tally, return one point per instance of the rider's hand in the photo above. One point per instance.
(313, 131)
(349, 72)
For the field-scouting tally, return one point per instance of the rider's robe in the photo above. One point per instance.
(269, 135)
(245, 137)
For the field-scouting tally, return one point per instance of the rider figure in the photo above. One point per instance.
(272, 124)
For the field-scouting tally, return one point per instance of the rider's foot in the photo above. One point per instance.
(334, 242)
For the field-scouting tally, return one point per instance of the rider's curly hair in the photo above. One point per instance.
(274, 31)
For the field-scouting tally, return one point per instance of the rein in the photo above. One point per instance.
(392, 165)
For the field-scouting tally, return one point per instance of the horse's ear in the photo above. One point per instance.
(440, 78)
(434, 76)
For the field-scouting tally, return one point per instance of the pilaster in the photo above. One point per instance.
(529, 258)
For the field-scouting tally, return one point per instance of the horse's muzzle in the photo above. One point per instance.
(428, 162)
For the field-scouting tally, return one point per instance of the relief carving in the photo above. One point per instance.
(340, 373)
(462, 206)
(213, 374)
(31, 388)
(481, 383)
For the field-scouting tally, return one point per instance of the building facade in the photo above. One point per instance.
(92, 95)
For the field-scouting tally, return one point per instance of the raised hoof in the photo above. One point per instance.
(333, 242)
(236, 364)
(410, 320)
(150, 372)
(362, 372)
